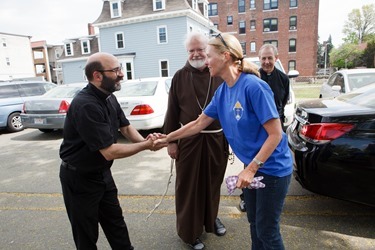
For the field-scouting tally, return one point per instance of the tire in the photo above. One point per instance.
(14, 123)
(46, 130)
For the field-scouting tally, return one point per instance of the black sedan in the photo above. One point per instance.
(333, 141)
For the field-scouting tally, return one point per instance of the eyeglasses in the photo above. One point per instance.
(222, 40)
(116, 70)
(192, 51)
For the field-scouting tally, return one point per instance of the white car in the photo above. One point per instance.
(290, 106)
(345, 81)
(145, 101)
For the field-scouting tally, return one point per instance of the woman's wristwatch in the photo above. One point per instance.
(258, 162)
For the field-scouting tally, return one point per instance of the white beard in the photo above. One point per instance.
(198, 64)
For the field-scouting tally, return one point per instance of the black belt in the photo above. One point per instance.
(68, 166)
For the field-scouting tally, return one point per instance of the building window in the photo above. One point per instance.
(85, 46)
(242, 27)
(162, 34)
(241, 6)
(291, 65)
(115, 9)
(270, 24)
(7, 60)
(159, 5)
(293, 23)
(212, 9)
(120, 43)
(164, 68)
(293, 3)
(292, 45)
(252, 4)
(195, 4)
(128, 71)
(69, 49)
(230, 20)
(253, 47)
(270, 4)
(252, 24)
(273, 42)
(4, 42)
(216, 26)
(243, 45)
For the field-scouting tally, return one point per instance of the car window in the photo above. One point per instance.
(168, 83)
(331, 80)
(9, 91)
(137, 89)
(339, 81)
(63, 92)
(31, 89)
(360, 80)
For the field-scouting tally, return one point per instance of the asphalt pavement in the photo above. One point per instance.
(33, 216)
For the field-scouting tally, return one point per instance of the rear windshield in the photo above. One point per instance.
(137, 89)
(363, 97)
(9, 91)
(63, 92)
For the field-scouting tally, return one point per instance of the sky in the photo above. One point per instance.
(57, 20)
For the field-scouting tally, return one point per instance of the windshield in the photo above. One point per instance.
(360, 80)
(363, 97)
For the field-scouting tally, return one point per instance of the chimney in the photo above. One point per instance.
(91, 29)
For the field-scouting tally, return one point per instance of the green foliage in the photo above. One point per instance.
(369, 55)
(360, 24)
(349, 55)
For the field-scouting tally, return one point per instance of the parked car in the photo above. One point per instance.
(333, 141)
(290, 106)
(47, 113)
(346, 80)
(12, 96)
(145, 101)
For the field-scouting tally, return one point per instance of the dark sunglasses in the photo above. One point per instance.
(222, 40)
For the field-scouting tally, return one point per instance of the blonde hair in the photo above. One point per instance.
(233, 46)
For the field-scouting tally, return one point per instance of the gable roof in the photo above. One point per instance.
(140, 10)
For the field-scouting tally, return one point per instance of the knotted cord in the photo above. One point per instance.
(165, 192)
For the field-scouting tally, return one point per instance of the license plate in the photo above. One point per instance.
(39, 121)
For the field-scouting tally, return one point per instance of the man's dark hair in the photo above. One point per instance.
(91, 67)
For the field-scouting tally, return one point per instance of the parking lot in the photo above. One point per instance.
(33, 214)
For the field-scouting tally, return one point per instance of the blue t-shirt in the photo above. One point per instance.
(242, 110)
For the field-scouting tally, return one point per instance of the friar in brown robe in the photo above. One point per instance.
(201, 159)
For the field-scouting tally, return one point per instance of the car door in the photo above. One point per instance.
(328, 89)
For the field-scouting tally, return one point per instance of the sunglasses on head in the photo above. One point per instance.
(222, 40)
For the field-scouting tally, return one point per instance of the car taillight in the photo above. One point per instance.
(143, 109)
(64, 106)
(320, 133)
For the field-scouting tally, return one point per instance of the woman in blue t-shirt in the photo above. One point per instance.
(245, 107)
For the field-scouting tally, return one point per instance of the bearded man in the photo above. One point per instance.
(201, 160)
(88, 149)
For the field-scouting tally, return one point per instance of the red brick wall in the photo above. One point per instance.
(306, 33)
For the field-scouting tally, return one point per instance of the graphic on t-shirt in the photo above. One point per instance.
(238, 110)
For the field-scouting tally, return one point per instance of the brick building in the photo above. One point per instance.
(291, 25)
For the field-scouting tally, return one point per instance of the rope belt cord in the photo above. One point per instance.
(165, 192)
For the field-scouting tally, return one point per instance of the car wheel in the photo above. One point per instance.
(14, 122)
(46, 130)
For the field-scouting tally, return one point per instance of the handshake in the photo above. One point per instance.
(156, 141)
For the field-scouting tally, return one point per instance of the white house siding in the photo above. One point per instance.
(73, 71)
(17, 49)
(141, 39)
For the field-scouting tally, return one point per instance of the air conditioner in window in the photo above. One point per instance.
(292, 27)
(266, 29)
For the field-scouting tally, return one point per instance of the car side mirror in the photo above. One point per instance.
(336, 88)
(293, 73)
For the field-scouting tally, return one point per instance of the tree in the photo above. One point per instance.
(360, 25)
(369, 55)
(347, 56)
